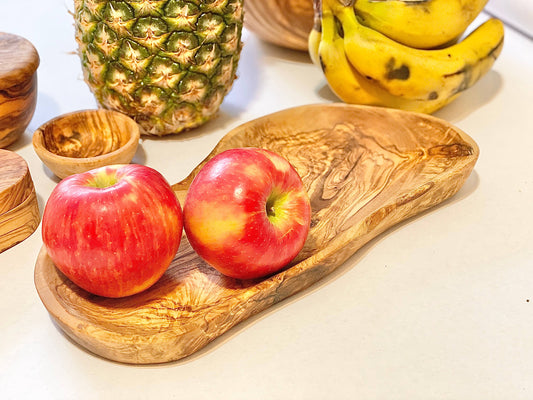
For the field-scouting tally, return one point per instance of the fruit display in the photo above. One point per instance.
(402, 55)
(167, 64)
(247, 213)
(285, 23)
(281, 201)
(366, 169)
(113, 230)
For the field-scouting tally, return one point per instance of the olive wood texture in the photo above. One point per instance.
(83, 140)
(18, 86)
(365, 169)
(285, 23)
(19, 211)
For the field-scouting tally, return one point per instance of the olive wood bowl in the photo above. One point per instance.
(365, 169)
(19, 210)
(285, 23)
(83, 140)
(18, 86)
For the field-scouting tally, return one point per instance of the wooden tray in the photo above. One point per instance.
(366, 169)
(19, 210)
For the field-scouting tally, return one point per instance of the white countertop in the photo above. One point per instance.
(440, 307)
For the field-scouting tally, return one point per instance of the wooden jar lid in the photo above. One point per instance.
(18, 60)
(18, 86)
(19, 211)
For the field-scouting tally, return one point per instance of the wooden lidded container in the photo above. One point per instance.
(18, 86)
(19, 209)
(284, 23)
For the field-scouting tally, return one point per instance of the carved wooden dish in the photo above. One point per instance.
(18, 86)
(83, 140)
(365, 169)
(19, 210)
(285, 23)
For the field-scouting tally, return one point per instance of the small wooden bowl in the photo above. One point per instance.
(19, 210)
(285, 23)
(18, 86)
(83, 140)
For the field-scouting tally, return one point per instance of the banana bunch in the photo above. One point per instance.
(402, 53)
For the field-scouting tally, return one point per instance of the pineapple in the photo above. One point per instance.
(166, 63)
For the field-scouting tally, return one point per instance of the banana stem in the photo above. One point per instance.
(317, 7)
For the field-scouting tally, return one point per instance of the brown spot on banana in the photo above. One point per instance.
(322, 65)
(401, 73)
(338, 27)
(466, 80)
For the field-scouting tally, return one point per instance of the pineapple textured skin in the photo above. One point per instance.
(166, 63)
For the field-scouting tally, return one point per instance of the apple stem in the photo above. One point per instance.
(270, 210)
(103, 180)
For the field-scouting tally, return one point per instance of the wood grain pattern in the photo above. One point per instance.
(18, 86)
(285, 23)
(365, 169)
(19, 211)
(15, 180)
(83, 140)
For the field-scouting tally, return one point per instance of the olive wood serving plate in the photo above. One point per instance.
(365, 168)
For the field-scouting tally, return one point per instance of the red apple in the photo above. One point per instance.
(247, 213)
(114, 230)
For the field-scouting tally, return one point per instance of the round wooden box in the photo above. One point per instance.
(285, 23)
(19, 211)
(18, 86)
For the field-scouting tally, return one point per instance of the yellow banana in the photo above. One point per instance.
(349, 85)
(413, 73)
(421, 24)
(313, 41)
(336, 67)
(316, 33)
